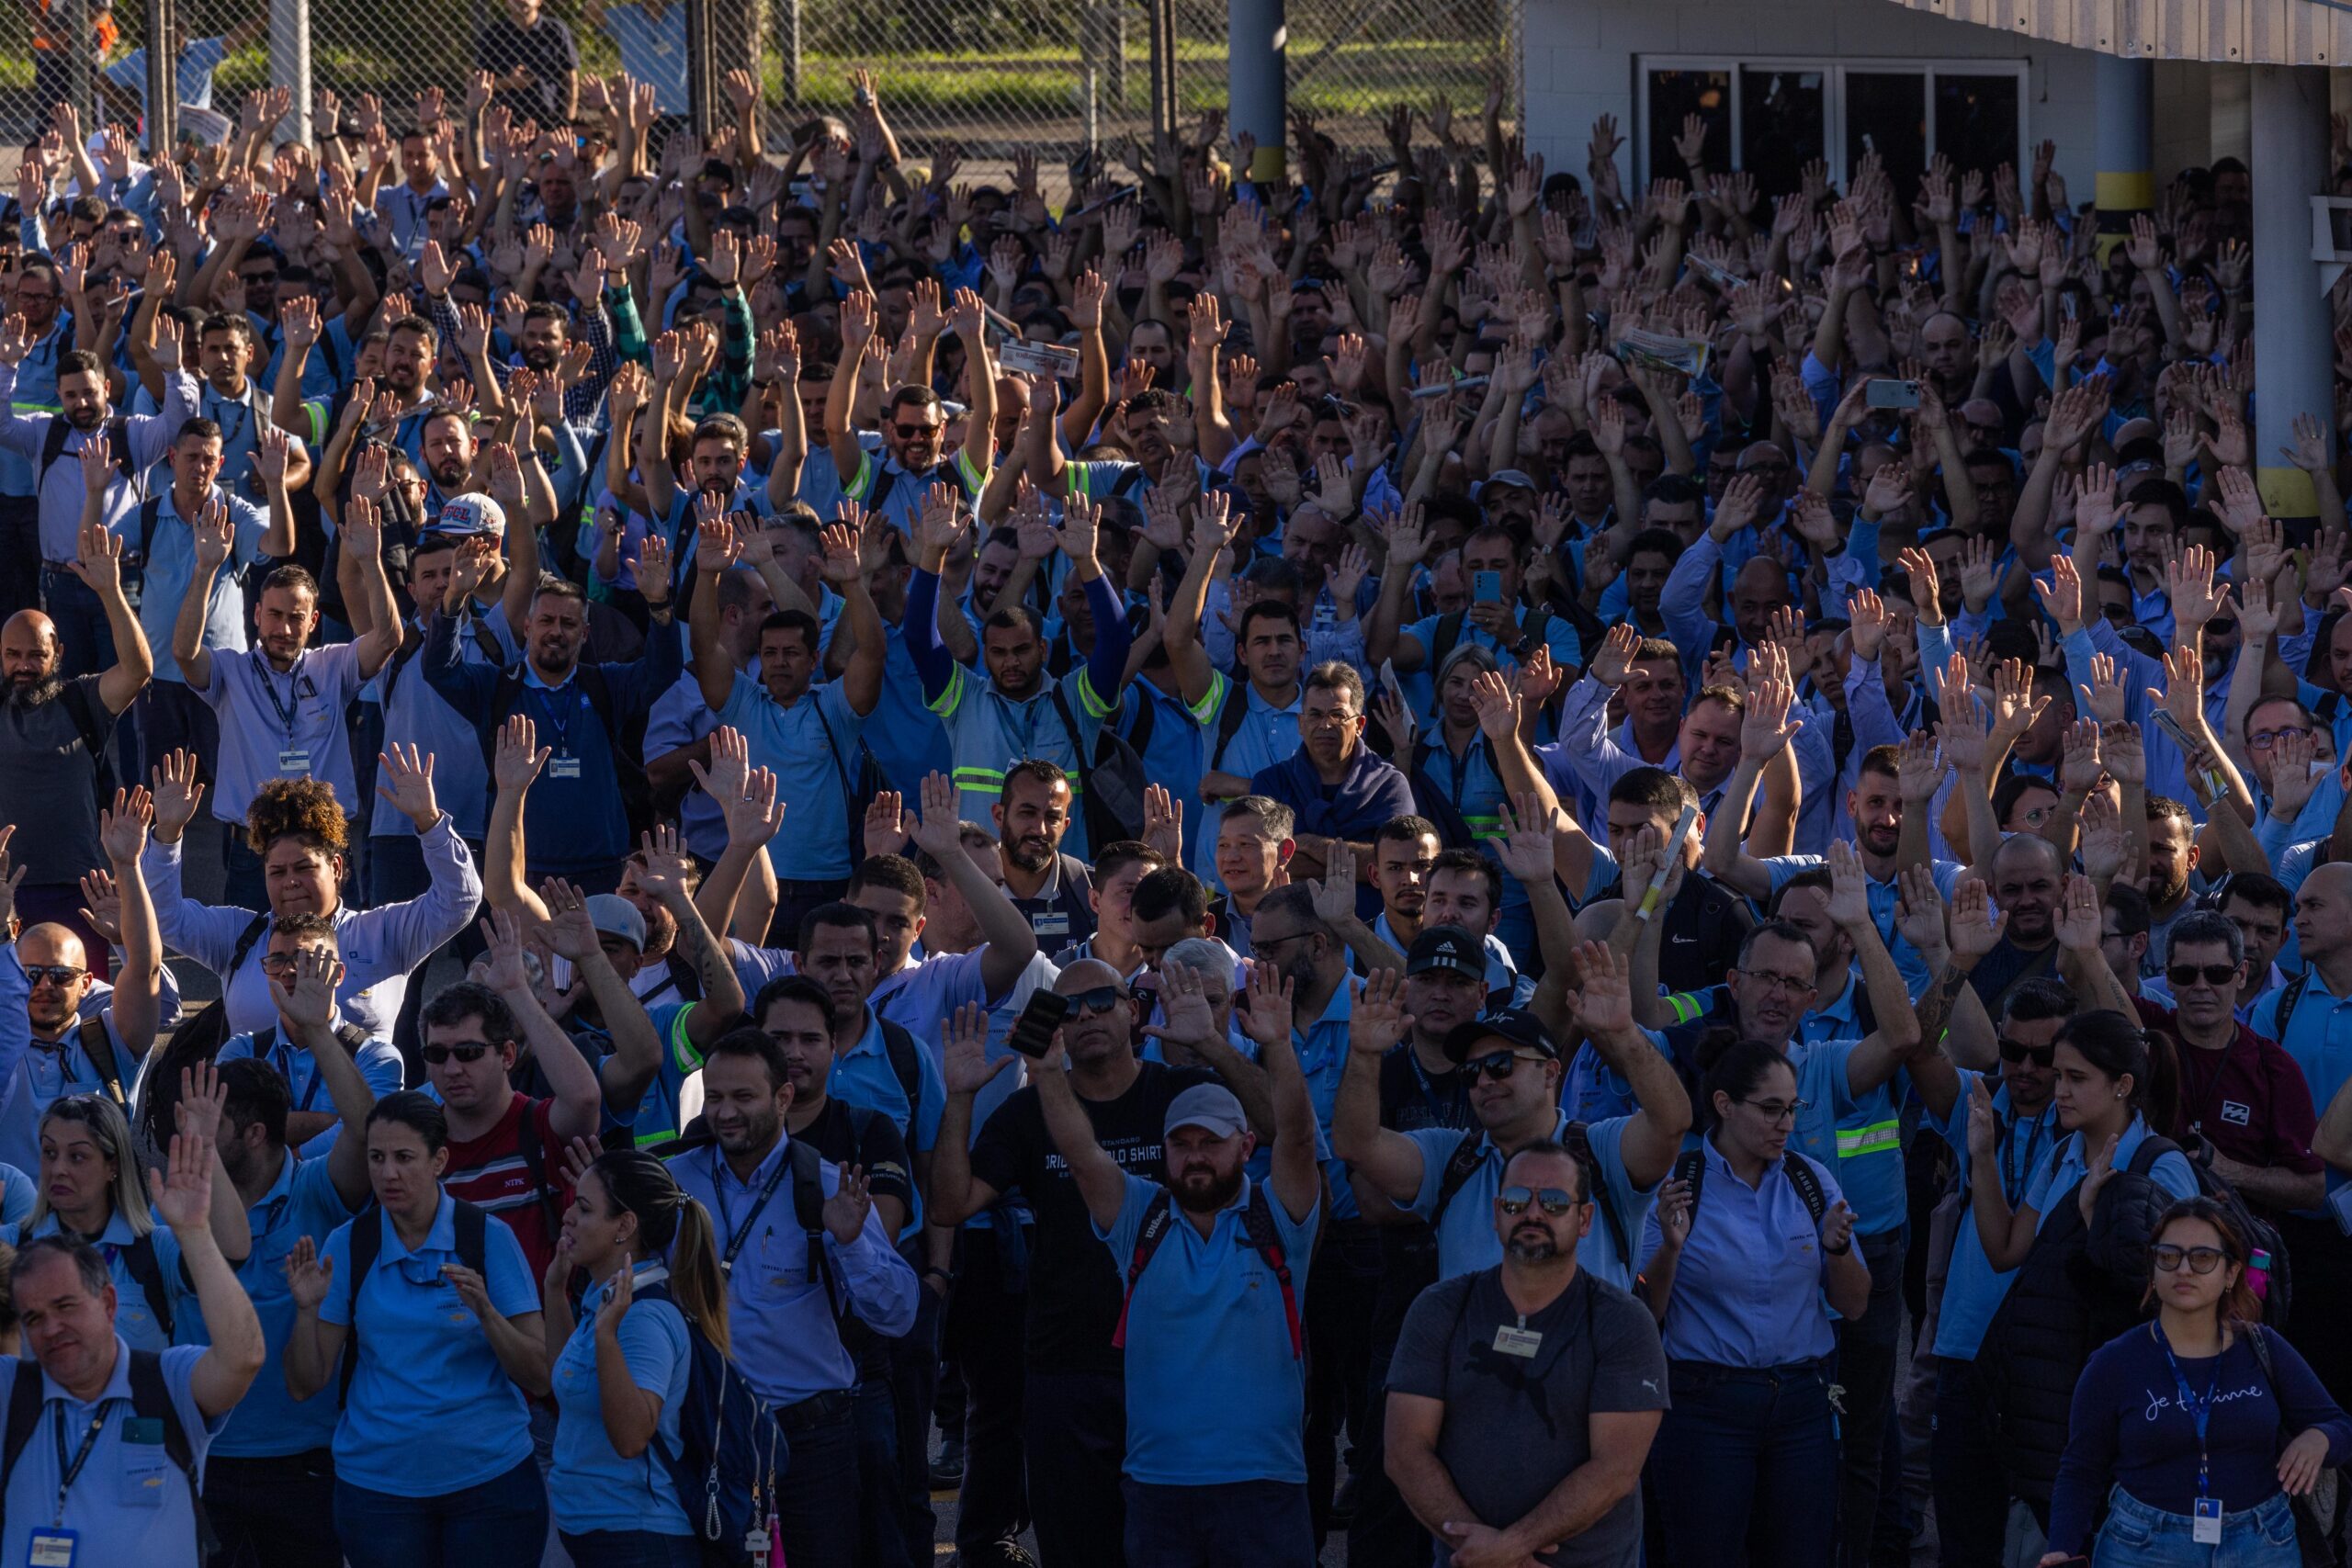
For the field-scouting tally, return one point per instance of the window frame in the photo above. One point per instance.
(1834, 107)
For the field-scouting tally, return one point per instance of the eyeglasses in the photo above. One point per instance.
(1499, 1065)
(1268, 944)
(280, 963)
(2264, 740)
(465, 1051)
(1515, 1199)
(1777, 1111)
(2201, 1259)
(910, 431)
(1101, 999)
(2183, 974)
(55, 974)
(1787, 985)
(2015, 1051)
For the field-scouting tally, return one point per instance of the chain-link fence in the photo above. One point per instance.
(988, 75)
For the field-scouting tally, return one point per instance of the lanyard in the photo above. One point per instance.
(2199, 1412)
(737, 1236)
(558, 707)
(281, 1057)
(2022, 1171)
(220, 406)
(286, 711)
(67, 1471)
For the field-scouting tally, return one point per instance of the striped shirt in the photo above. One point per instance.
(491, 1173)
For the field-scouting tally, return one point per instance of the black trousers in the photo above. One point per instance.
(1343, 1289)
(982, 1337)
(273, 1513)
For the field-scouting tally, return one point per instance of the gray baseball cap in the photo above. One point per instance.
(1209, 1105)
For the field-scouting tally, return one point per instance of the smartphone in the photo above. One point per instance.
(1038, 359)
(1032, 1032)
(1888, 393)
(1487, 587)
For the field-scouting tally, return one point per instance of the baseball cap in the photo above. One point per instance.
(616, 916)
(1209, 1105)
(1451, 948)
(1514, 1026)
(1510, 478)
(467, 514)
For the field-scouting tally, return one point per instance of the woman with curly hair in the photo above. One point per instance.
(299, 830)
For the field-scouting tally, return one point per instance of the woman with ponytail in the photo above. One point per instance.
(621, 1369)
(2182, 1423)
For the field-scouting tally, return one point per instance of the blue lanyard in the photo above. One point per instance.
(2200, 1411)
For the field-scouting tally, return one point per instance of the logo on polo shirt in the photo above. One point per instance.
(2237, 1115)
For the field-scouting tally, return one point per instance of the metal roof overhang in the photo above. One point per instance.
(2236, 32)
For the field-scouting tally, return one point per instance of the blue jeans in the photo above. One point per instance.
(631, 1549)
(1746, 1464)
(2137, 1536)
(1965, 1460)
(501, 1520)
(819, 1477)
(1236, 1524)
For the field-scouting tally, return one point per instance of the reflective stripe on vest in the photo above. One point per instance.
(1879, 1137)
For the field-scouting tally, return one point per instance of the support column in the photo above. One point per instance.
(2127, 128)
(290, 63)
(2293, 331)
(163, 79)
(1257, 80)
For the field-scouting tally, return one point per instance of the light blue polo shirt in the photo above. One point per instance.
(1748, 1289)
(170, 568)
(416, 714)
(379, 1064)
(2318, 1034)
(267, 1423)
(2055, 1180)
(862, 1075)
(1465, 1236)
(1420, 686)
(1216, 1393)
(134, 1320)
(1972, 1287)
(1322, 1047)
(425, 1365)
(653, 52)
(1861, 1137)
(279, 724)
(128, 1505)
(809, 765)
(590, 1486)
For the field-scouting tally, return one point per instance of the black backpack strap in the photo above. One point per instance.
(151, 514)
(472, 1223)
(1257, 1223)
(1444, 635)
(809, 1208)
(1156, 1221)
(901, 1049)
(637, 790)
(151, 1399)
(503, 692)
(367, 1243)
(2287, 1001)
(1460, 1166)
(95, 735)
(535, 1170)
(99, 1045)
(406, 655)
(23, 1415)
(1579, 1144)
(1229, 720)
(247, 939)
(52, 446)
(1808, 1185)
(139, 1258)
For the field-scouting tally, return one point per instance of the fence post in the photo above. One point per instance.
(163, 78)
(702, 77)
(787, 51)
(78, 85)
(1163, 67)
(1256, 77)
(289, 60)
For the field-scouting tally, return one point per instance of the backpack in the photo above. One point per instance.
(138, 1262)
(858, 795)
(61, 430)
(98, 735)
(1447, 634)
(900, 1046)
(1229, 720)
(1257, 1223)
(151, 1400)
(745, 1452)
(637, 792)
(472, 1225)
(2261, 1236)
(410, 645)
(1691, 1167)
(1471, 1152)
(1114, 778)
(197, 1039)
(2320, 1513)
(1453, 829)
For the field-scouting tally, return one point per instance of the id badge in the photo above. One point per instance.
(293, 764)
(2205, 1524)
(52, 1547)
(1520, 1342)
(563, 767)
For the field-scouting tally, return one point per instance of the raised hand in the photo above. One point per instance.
(1976, 926)
(1263, 1006)
(409, 774)
(1186, 1006)
(844, 1212)
(176, 792)
(181, 1193)
(1378, 1020)
(309, 1273)
(940, 831)
(965, 1062)
(518, 758)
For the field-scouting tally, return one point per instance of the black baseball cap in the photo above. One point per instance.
(1447, 947)
(1516, 1027)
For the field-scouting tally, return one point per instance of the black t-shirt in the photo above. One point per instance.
(1074, 1286)
(1413, 1099)
(854, 1135)
(1702, 933)
(544, 50)
(1998, 972)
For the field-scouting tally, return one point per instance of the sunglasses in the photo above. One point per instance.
(2201, 1259)
(1515, 1199)
(1496, 1064)
(910, 431)
(2040, 1056)
(2177, 974)
(55, 974)
(467, 1051)
(1102, 999)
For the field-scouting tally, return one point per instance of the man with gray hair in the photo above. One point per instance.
(2241, 1097)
